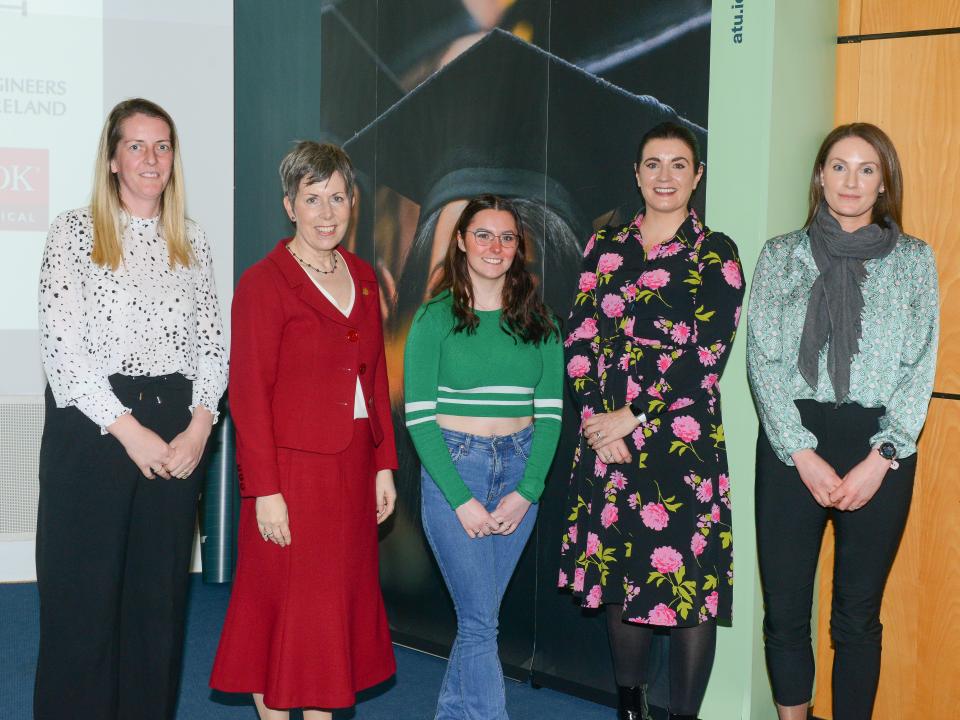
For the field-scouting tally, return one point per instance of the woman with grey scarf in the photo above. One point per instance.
(841, 352)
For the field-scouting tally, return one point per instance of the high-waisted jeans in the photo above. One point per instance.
(477, 571)
(790, 527)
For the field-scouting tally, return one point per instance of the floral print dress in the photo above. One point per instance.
(654, 534)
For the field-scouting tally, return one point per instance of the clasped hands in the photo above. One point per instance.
(505, 518)
(155, 457)
(605, 433)
(852, 491)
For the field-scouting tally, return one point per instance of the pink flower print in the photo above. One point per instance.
(601, 364)
(628, 326)
(715, 513)
(612, 305)
(618, 480)
(664, 361)
(686, 428)
(697, 544)
(599, 467)
(705, 490)
(633, 389)
(736, 315)
(633, 499)
(680, 403)
(709, 381)
(711, 602)
(562, 582)
(588, 281)
(593, 543)
(655, 516)
(630, 292)
(731, 273)
(654, 391)
(669, 249)
(624, 362)
(578, 366)
(578, 576)
(680, 332)
(665, 559)
(590, 243)
(572, 533)
(608, 516)
(662, 615)
(593, 597)
(585, 414)
(707, 358)
(724, 484)
(609, 262)
(587, 329)
(655, 279)
(639, 439)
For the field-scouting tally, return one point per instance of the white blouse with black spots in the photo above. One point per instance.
(142, 319)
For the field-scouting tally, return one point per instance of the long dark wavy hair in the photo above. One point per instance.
(524, 315)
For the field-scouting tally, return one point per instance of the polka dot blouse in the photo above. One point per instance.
(144, 319)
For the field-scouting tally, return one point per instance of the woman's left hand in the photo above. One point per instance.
(510, 511)
(188, 446)
(605, 428)
(386, 495)
(861, 483)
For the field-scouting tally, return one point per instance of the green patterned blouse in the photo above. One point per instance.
(898, 347)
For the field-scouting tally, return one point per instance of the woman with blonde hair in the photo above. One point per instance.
(133, 351)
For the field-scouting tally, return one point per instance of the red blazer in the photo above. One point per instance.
(294, 364)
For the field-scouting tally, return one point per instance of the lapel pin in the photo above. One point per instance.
(365, 291)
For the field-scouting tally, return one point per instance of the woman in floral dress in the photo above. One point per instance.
(655, 316)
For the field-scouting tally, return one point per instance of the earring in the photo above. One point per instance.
(293, 218)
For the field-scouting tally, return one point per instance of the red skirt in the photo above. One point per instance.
(306, 624)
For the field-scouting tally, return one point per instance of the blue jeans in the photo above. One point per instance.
(477, 571)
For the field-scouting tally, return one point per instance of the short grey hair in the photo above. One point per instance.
(316, 162)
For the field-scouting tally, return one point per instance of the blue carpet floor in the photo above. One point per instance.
(410, 696)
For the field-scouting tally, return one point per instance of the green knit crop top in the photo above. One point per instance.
(484, 374)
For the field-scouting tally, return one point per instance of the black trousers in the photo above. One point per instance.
(113, 557)
(790, 527)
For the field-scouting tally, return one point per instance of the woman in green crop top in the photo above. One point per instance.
(483, 380)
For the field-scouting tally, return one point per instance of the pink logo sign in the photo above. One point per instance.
(24, 189)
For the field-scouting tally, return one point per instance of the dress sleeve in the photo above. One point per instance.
(73, 375)
(767, 368)
(906, 409)
(211, 353)
(257, 324)
(421, 370)
(547, 417)
(582, 344)
(688, 376)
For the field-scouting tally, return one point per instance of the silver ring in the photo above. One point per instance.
(268, 534)
(598, 435)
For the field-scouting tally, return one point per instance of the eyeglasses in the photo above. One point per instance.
(486, 237)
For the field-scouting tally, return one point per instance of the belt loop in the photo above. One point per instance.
(467, 439)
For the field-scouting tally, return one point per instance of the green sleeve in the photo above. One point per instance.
(767, 368)
(906, 409)
(421, 369)
(547, 415)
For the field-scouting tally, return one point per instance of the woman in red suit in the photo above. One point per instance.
(308, 392)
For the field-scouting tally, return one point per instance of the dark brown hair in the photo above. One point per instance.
(670, 130)
(890, 201)
(524, 315)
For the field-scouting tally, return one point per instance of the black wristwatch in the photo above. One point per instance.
(637, 409)
(888, 451)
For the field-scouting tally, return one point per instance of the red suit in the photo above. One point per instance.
(306, 624)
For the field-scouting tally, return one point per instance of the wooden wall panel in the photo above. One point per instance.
(911, 88)
(886, 16)
(921, 609)
(849, 17)
(848, 84)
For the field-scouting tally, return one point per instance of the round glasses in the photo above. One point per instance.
(486, 237)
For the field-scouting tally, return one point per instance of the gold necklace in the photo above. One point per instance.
(304, 262)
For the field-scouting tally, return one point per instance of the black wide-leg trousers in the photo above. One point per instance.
(790, 527)
(113, 557)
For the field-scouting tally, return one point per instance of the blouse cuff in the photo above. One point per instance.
(103, 407)
(207, 404)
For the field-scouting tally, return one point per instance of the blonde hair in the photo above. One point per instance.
(107, 208)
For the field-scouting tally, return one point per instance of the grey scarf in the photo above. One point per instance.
(836, 301)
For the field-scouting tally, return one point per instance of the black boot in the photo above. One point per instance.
(632, 703)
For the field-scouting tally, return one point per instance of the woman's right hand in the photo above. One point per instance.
(614, 452)
(475, 519)
(148, 450)
(817, 474)
(272, 519)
